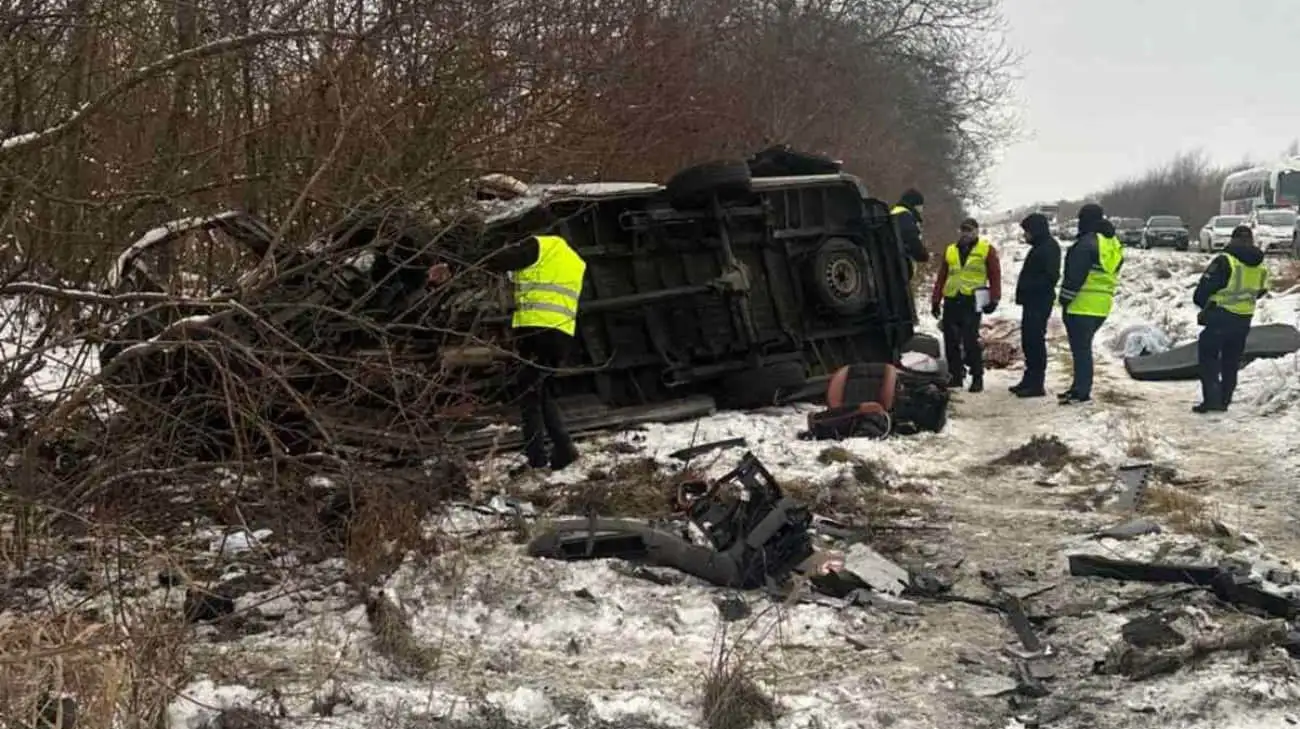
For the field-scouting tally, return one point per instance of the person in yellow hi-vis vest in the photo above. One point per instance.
(1226, 296)
(968, 271)
(1088, 292)
(547, 276)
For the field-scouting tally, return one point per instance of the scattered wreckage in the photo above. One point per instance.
(743, 532)
(734, 285)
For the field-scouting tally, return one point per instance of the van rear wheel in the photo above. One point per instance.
(841, 276)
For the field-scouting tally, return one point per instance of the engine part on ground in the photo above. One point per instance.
(742, 532)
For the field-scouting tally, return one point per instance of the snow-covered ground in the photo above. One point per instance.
(502, 640)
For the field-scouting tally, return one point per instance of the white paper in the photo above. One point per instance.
(981, 298)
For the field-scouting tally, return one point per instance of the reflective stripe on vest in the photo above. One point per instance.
(547, 292)
(897, 209)
(1098, 292)
(1245, 284)
(963, 279)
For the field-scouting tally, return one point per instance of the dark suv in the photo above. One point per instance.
(1165, 231)
(741, 284)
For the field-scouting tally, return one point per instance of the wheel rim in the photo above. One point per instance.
(843, 278)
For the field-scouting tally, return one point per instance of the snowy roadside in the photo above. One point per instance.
(483, 636)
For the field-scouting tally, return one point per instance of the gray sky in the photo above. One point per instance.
(1112, 87)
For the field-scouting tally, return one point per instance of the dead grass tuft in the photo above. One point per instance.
(395, 640)
(636, 488)
(1047, 451)
(382, 525)
(114, 677)
(732, 699)
(1179, 509)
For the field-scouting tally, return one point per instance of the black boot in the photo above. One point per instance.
(1031, 391)
(1016, 388)
(976, 383)
(1203, 408)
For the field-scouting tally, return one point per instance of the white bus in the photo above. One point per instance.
(1275, 185)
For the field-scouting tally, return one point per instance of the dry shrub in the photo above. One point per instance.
(1047, 451)
(635, 488)
(1180, 509)
(395, 639)
(384, 524)
(731, 698)
(117, 678)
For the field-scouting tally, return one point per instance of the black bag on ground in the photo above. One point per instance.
(848, 421)
(921, 408)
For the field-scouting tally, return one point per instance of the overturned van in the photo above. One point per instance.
(735, 285)
(750, 289)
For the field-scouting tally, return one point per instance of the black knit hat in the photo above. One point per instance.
(911, 198)
(969, 224)
(1243, 232)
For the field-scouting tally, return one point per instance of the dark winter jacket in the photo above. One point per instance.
(1216, 277)
(1036, 286)
(1084, 254)
(910, 231)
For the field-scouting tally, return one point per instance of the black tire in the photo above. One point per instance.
(695, 186)
(760, 387)
(841, 276)
(780, 160)
(1182, 247)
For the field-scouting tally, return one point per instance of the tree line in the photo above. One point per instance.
(117, 116)
(1189, 185)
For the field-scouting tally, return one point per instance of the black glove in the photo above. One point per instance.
(991, 307)
(936, 311)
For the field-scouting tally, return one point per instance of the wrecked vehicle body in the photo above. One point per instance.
(716, 289)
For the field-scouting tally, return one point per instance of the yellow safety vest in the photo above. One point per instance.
(964, 279)
(547, 292)
(1245, 284)
(1098, 292)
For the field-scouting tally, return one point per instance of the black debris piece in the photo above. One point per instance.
(1152, 631)
(733, 608)
(687, 454)
(1089, 565)
(205, 606)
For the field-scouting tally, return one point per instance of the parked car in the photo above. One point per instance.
(738, 285)
(1214, 235)
(1165, 231)
(1128, 230)
(1274, 229)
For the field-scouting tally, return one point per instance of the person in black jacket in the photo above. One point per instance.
(1226, 296)
(908, 214)
(1036, 295)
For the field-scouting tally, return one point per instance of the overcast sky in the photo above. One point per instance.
(1111, 87)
